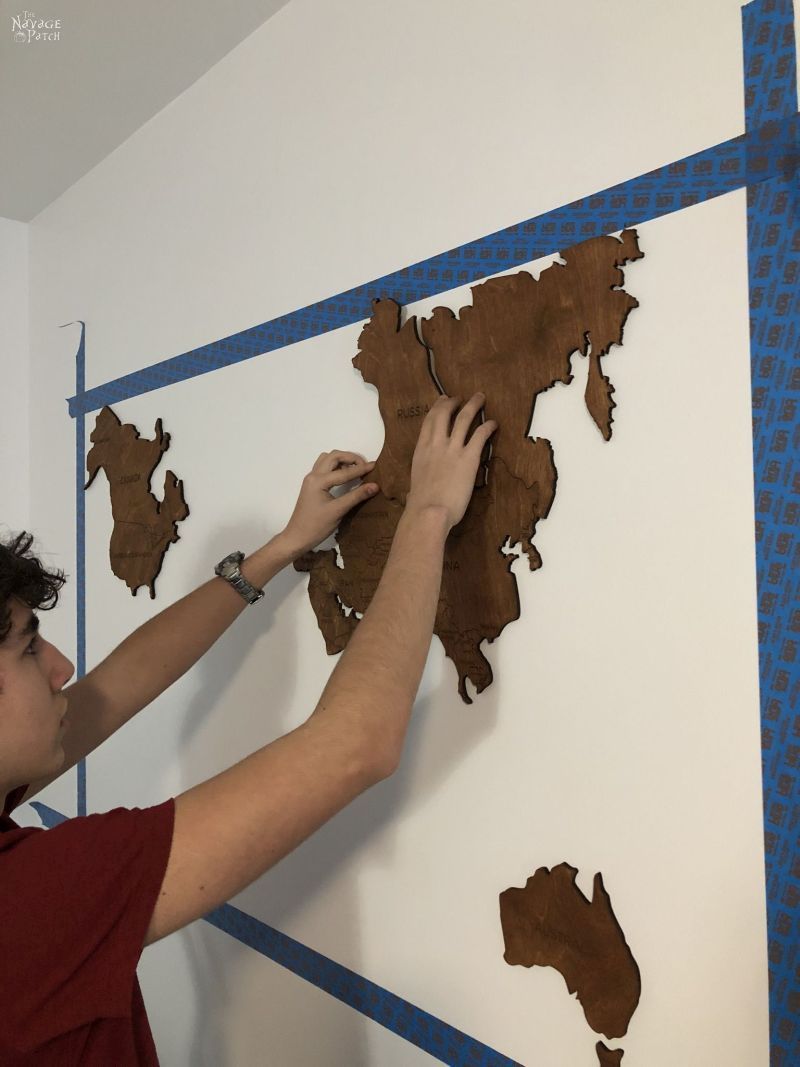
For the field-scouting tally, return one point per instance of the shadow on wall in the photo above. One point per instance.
(226, 981)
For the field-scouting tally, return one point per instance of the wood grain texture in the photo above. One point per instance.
(514, 342)
(144, 527)
(550, 923)
(608, 1057)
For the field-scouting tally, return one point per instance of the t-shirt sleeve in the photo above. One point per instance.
(75, 905)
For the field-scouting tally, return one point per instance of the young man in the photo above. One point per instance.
(79, 902)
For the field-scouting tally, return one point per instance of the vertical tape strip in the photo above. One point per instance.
(80, 538)
(773, 236)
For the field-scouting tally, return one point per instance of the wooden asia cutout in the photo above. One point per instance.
(550, 923)
(144, 527)
(513, 343)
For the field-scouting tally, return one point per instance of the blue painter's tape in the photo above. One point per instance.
(80, 536)
(770, 62)
(442, 1041)
(756, 156)
(773, 239)
(49, 816)
(775, 377)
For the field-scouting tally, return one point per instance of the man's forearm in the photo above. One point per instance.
(371, 692)
(164, 648)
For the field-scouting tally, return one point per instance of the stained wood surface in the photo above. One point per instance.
(144, 527)
(550, 923)
(608, 1057)
(513, 343)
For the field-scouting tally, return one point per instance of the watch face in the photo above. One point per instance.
(229, 565)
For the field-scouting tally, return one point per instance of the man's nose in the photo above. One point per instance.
(61, 671)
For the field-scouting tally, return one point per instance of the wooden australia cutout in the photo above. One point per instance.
(550, 923)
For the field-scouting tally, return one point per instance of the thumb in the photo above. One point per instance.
(356, 496)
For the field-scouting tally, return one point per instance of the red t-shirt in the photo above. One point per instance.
(75, 904)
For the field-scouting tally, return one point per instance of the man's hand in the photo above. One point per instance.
(445, 464)
(317, 512)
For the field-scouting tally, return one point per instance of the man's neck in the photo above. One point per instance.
(5, 791)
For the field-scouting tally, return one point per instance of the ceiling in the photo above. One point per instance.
(66, 103)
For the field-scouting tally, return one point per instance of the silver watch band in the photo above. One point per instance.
(228, 569)
(248, 591)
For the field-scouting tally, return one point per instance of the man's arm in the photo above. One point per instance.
(233, 827)
(164, 648)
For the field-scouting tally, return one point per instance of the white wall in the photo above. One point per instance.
(338, 143)
(14, 466)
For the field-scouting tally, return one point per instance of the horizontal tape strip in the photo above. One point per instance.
(756, 156)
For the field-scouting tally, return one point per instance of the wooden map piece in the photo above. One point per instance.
(516, 339)
(144, 527)
(608, 1057)
(550, 923)
(514, 342)
(393, 359)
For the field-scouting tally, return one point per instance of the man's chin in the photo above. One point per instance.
(60, 757)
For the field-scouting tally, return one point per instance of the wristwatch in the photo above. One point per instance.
(228, 569)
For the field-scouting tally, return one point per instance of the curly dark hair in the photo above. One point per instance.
(22, 575)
